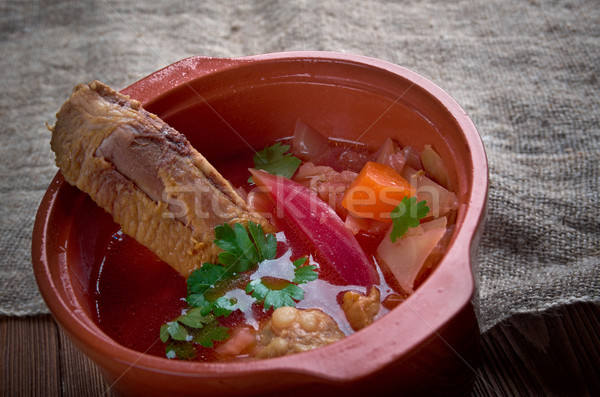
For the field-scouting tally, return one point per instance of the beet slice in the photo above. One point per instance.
(314, 220)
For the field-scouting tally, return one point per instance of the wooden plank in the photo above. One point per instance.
(29, 349)
(80, 376)
(553, 355)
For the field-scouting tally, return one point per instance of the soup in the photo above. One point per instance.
(135, 300)
(270, 253)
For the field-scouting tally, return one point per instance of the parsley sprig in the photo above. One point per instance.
(193, 326)
(206, 277)
(284, 293)
(187, 329)
(275, 160)
(304, 274)
(275, 298)
(243, 249)
(407, 214)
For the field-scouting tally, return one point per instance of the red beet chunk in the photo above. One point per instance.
(336, 247)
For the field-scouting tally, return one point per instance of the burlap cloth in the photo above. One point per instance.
(526, 72)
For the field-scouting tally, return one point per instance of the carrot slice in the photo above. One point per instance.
(376, 191)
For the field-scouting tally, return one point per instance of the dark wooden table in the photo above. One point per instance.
(555, 354)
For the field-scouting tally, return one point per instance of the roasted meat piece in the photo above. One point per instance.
(361, 309)
(328, 183)
(292, 330)
(146, 175)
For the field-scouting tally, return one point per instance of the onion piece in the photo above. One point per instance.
(387, 149)
(390, 154)
(308, 143)
(260, 202)
(315, 221)
(368, 226)
(396, 161)
(353, 161)
(355, 224)
(406, 256)
(439, 200)
(328, 183)
(435, 167)
(412, 157)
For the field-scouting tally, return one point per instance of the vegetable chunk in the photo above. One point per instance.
(435, 167)
(312, 218)
(376, 192)
(405, 257)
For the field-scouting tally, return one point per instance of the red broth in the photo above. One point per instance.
(135, 292)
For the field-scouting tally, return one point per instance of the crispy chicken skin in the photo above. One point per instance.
(146, 175)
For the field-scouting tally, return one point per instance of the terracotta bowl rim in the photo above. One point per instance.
(317, 363)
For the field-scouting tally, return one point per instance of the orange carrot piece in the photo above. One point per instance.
(375, 192)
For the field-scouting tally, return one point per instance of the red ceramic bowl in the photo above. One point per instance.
(427, 345)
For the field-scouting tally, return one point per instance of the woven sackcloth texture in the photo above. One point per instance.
(525, 71)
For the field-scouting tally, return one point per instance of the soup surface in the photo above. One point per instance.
(135, 293)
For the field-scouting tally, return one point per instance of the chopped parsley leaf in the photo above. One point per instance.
(180, 350)
(206, 277)
(222, 307)
(194, 318)
(304, 274)
(210, 334)
(243, 248)
(174, 330)
(275, 298)
(407, 214)
(275, 160)
(278, 296)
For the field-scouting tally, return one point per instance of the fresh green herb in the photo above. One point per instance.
(180, 350)
(209, 334)
(275, 160)
(194, 326)
(244, 248)
(174, 330)
(197, 300)
(304, 274)
(285, 293)
(265, 245)
(221, 307)
(164, 333)
(275, 298)
(192, 319)
(195, 318)
(206, 277)
(407, 214)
